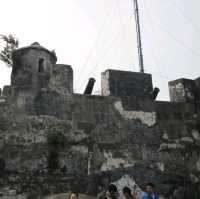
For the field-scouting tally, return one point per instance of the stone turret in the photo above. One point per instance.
(32, 68)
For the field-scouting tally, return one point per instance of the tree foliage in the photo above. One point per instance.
(11, 44)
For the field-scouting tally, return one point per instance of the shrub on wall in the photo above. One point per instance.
(55, 142)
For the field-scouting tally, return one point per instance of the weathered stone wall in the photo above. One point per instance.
(102, 134)
(26, 68)
(32, 69)
(126, 83)
(185, 90)
(52, 140)
(62, 79)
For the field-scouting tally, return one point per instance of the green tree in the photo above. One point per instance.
(11, 44)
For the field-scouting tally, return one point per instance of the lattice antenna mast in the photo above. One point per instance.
(139, 43)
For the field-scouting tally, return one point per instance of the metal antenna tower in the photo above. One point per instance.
(139, 43)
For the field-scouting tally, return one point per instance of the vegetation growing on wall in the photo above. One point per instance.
(55, 141)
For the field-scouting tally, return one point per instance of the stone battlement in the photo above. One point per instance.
(53, 140)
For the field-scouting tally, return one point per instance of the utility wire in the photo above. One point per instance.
(177, 40)
(121, 30)
(150, 22)
(115, 38)
(180, 42)
(106, 50)
(180, 10)
(80, 74)
(190, 49)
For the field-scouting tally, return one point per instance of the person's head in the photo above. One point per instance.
(126, 192)
(150, 188)
(73, 195)
(111, 191)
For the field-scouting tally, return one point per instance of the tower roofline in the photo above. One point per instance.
(36, 46)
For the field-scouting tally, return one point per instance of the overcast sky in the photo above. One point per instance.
(95, 35)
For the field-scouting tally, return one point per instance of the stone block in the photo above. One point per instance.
(6, 91)
(62, 79)
(183, 90)
(125, 83)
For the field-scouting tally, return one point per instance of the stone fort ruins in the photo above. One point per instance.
(53, 140)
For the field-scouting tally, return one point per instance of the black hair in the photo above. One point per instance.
(112, 188)
(150, 184)
(127, 190)
(73, 192)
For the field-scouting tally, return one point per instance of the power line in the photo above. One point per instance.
(177, 40)
(195, 27)
(113, 41)
(97, 63)
(194, 52)
(100, 31)
(150, 22)
(115, 38)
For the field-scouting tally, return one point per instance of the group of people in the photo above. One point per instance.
(112, 193)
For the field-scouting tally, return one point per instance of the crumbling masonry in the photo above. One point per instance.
(52, 140)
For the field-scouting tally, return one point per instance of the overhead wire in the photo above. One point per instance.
(115, 38)
(108, 47)
(95, 48)
(177, 40)
(105, 51)
(148, 18)
(99, 33)
(123, 27)
(174, 38)
(195, 27)
(182, 43)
